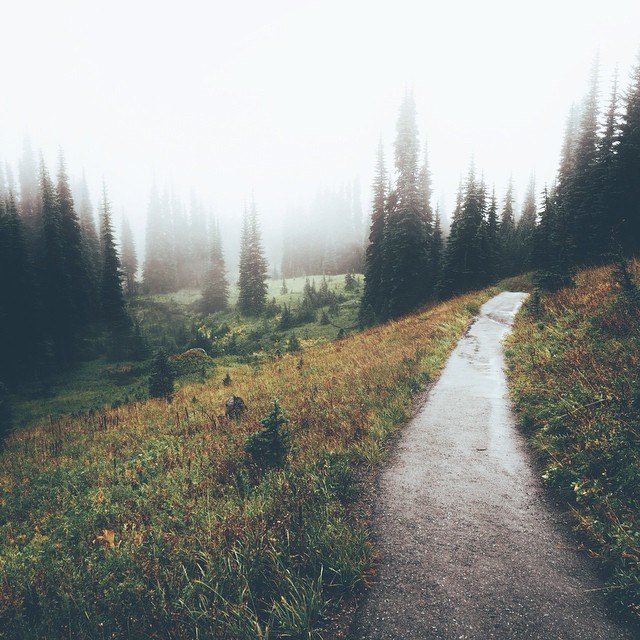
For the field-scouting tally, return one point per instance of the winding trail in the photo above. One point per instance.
(469, 547)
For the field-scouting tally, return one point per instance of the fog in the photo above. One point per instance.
(281, 98)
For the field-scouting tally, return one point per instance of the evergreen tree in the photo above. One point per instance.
(76, 262)
(160, 272)
(425, 192)
(199, 249)
(437, 248)
(129, 258)
(608, 222)
(372, 303)
(561, 230)
(629, 168)
(508, 237)
(252, 282)
(465, 264)
(545, 245)
(161, 376)
(20, 342)
(111, 295)
(215, 295)
(90, 239)
(526, 228)
(493, 247)
(405, 241)
(55, 284)
(29, 196)
(581, 190)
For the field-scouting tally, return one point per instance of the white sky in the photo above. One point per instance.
(283, 96)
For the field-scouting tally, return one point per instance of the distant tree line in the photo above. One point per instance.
(328, 237)
(178, 244)
(590, 215)
(61, 276)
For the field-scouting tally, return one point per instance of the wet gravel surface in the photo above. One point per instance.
(469, 547)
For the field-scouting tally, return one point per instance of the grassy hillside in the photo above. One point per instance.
(174, 322)
(574, 361)
(151, 520)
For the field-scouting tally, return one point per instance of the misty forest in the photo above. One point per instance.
(374, 415)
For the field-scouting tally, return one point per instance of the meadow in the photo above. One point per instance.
(172, 321)
(156, 520)
(574, 358)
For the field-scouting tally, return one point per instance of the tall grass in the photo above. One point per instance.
(151, 521)
(574, 360)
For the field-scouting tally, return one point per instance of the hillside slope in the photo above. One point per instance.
(152, 521)
(574, 360)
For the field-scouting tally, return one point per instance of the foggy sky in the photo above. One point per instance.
(285, 96)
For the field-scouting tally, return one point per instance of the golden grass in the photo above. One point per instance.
(149, 520)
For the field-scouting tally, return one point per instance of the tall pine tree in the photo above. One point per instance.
(215, 293)
(629, 168)
(372, 303)
(129, 259)
(406, 259)
(111, 295)
(252, 282)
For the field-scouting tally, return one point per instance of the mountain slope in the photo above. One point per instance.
(151, 520)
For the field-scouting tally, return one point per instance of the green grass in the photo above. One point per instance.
(574, 358)
(91, 385)
(171, 320)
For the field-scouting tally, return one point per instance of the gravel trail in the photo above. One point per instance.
(470, 549)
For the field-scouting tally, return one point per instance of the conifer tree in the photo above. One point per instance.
(493, 251)
(29, 195)
(372, 303)
(129, 258)
(607, 219)
(19, 330)
(162, 376)
(111, 296)
(90, 239)
(76, 262)
(199, 247)
(160, 272)
(526, 228)
(544, 247)
(508, 238)
(405, 242)
(465, 265)
(581, 191)
(437, 249)
(215, 294)
(252, 282)
(561, 230)
(55, 286)
(629, 168)
(429, 277)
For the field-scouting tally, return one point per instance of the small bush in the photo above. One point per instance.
(293, 344)
(161, 376)
(270, 446)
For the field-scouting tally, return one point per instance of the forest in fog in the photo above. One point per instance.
(319, 320)
(67, 274)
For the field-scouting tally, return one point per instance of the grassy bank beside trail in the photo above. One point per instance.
(574, 369)
(151, 520)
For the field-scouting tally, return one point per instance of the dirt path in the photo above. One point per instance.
(469, 548)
